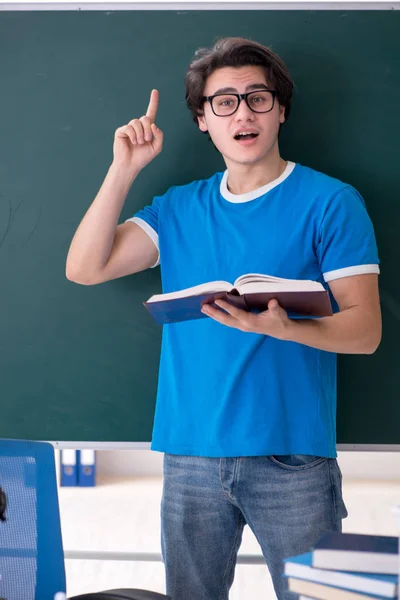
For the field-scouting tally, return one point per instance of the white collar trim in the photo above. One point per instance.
(237, 198)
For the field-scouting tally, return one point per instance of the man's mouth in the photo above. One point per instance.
(246, 136)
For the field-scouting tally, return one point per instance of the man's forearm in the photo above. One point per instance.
(351, 331)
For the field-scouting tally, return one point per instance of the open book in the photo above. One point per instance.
(251, 292)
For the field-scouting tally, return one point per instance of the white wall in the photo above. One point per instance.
(129, 462)
(354, 465)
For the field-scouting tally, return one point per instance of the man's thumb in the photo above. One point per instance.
(273, 304)
(155, 130)
(157, 133)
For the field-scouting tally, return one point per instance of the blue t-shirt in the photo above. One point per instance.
(223, 392)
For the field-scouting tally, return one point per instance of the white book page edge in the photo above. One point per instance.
(307, 284)
(197, 290)
(269, 286)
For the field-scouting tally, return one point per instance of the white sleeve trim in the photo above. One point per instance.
(348, 271)
(153, 235)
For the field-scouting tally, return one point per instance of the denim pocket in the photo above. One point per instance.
(297, 462)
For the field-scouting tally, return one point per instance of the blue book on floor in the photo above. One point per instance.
(357, 552)
(370, 583)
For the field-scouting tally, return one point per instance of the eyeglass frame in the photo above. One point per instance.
(241, 97)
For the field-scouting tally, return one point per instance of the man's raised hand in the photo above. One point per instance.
(140, 141)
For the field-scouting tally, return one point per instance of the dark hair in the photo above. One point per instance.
(235, 52)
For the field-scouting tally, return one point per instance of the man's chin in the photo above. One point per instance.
(244, 160)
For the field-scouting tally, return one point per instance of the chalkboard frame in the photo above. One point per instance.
(23, 6)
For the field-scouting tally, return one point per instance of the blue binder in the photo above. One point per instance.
(68, 468)
(87, 468)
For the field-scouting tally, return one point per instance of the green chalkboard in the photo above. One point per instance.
(80, 363)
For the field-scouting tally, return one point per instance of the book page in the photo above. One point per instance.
(256, 282)
(253, 277)
(197, 290)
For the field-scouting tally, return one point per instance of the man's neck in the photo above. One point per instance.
(246, 178)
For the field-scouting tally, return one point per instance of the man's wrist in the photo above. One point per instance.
(122, 173)
(291, 328)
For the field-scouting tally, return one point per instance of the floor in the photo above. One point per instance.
(122, 514)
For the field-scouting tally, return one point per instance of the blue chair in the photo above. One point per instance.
(31, 551)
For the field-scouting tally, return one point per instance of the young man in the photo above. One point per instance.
(246, 403)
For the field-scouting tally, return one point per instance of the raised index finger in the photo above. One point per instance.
(153, 105)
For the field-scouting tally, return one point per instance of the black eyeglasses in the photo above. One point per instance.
(224, 105)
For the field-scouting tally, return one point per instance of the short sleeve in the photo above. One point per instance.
(347, 244)
(147, 219)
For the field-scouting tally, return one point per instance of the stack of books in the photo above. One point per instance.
(346, 566)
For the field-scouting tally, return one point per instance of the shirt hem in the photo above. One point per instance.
(236, 452)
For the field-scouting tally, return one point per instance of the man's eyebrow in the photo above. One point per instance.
(252, 86)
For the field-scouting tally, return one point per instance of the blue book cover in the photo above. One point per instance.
(359, 542)
(371, 583)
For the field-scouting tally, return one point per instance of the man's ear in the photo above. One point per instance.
(282, 114)
(202, 123)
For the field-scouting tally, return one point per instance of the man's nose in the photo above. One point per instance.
(244, 112)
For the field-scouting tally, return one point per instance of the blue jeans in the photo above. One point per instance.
(287, 501)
